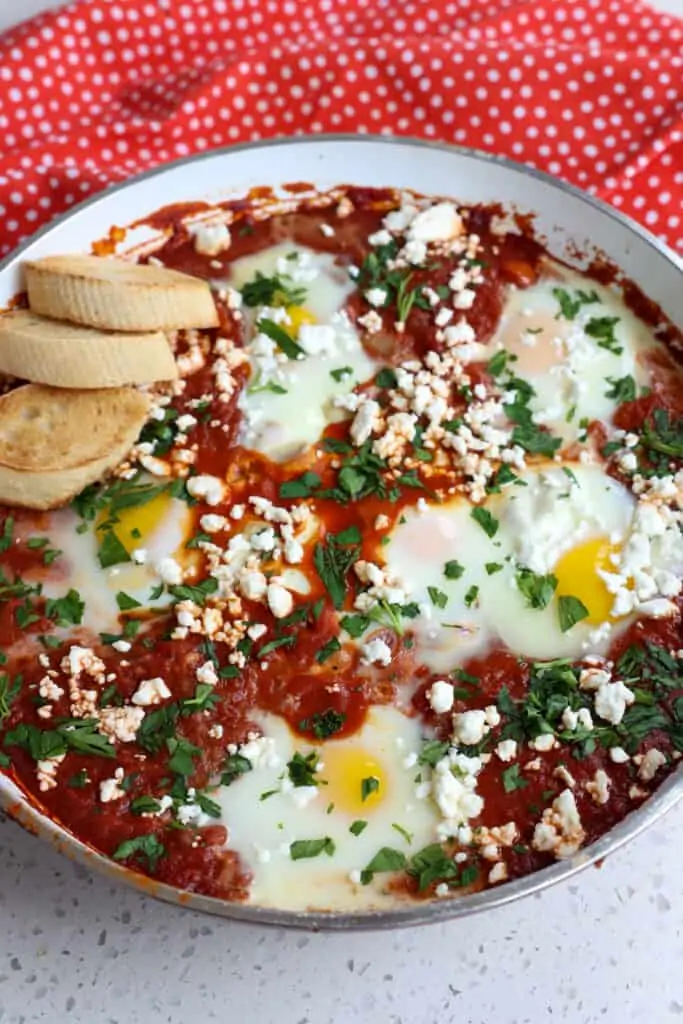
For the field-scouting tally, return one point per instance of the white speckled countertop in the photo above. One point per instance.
(606, 947)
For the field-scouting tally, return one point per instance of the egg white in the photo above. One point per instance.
(78, 566)
(567, 368)
(261, 830)
(284, 423)
(539, 520)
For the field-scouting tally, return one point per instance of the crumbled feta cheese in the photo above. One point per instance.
(376, 652)
(318, 339)
(611, 701)
(280, 601)
(560, 830)
(365, 421)
(438, 223)
(498, 873)
(110, 789)
(139, 556)
(507, 750)
(599, 786)
(210, 239)
(652, 761)
(441, 696)
(211, 523)
(169, 571)
(121, 724)
(206, 673)
(151, 691)
(376, 296)
(371, 321)
(618, 755)
(208, 488)
(253, 585)
(470, 727)
(546, 741)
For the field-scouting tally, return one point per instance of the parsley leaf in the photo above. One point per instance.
(437, 597)
(358, 826)
(512, 779)
(323, 724)
(327, 650)
(536, 589)
(332, 559)
(488, 523)
(570, 304)
(235, 765)
(368, 786)
(301, 487)
(623, 389)
(302, 770)
(283, 340)
(303, 849)
(147, 847)
(571, 610)
(277, 290)
(602, 329)
(453, 570)
(385, 859)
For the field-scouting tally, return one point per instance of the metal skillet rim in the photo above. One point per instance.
(410, 914)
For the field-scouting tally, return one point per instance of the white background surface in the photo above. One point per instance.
(605, 948)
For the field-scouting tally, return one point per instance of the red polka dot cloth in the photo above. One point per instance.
(590, 90)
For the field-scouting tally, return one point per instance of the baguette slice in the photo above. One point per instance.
(53, 443)
(115, 295)
(67, 356)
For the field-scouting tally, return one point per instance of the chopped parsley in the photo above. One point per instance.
(327, 650)
(471, 596)
(303, 849)
(437, 597)
(323, 724)
(537, 589)
(602, 329)
(571, 610)
(234, 766)
(358, 826)
(333, 559)
(276, 290)
(302, 769)
(493, 567)
(341, 373)
(453, 570)
(283, 340)
(368, 786)
(301, 486)
(125, 602)
(488, 523)
(148, 848)
(622, 389)
(386, 378)
(512, 779)
(571, 302)
(385, 859)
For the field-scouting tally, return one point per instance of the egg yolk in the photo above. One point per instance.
(299, 315)
(135, 525)
(348, 772)
(577, 576)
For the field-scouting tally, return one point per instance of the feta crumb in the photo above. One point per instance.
(210, 239)
(206, 673)
(376, 296)
(611, 701)
(376, 652)
(507, 750)
(618, 755)
(169, 571)
(211, 523)
(151, 691)
(498, 873)
(280, 601)
(470, 727)
(208, 488)
(599, 786)
(441, 696)
(652, 761)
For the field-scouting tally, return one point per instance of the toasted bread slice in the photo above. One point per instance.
(68, 356)
(53, 442)
(116, 295)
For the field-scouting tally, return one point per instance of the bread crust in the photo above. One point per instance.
(63, 355)
(117, 295)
